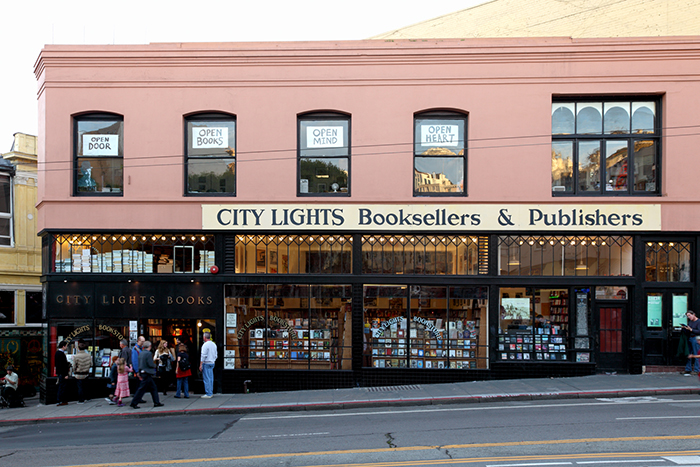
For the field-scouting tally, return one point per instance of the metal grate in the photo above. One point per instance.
(410, 387)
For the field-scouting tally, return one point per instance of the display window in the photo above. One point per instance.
(425, 327)
(143, 253)
(70, 331)
(424, 254)
(533, 324)
(667, 262)
(294, 254)
(288, 327)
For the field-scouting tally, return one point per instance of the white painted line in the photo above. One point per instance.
(527, 465)
(454, 409)
(295, 435)
(658, 418)
(620, 462)
(684, 460)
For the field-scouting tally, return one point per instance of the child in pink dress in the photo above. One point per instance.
(122, 381)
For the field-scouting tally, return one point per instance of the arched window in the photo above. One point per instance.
(439, 154)
(98, 162)
(323, 155)
(210, 161)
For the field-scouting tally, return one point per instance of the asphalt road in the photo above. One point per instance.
(644, 431)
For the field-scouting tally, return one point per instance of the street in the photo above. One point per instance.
(634, 431)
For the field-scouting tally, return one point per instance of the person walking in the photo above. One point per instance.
(693, 329)
(62, 370)
(122, 389)
(135, 352)
(82, 362)
(183, 371)
(147, 370)
(165, 362)
(206, 365)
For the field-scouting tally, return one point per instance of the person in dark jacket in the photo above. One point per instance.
(693, 328)
(147, 370)
(62, 371)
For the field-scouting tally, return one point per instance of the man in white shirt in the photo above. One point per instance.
(206, 365)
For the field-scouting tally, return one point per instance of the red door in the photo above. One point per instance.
(612, 337)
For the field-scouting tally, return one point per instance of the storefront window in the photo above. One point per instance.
(133, 253)
(439, 327)
(565, 256)
(69, 331)
(288, 327)
(430, 254)
(533, 324)
(294, 254)
(667, 262)
(33, 307)
(105, 346)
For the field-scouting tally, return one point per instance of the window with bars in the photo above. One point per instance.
(428, 254)
(605, 147)
(565, 256)
(294, 254)
(667, 262)
(133, 253)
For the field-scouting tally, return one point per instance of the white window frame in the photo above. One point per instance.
(9, 215)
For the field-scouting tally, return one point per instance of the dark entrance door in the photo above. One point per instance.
(611, 337)
(665, 311)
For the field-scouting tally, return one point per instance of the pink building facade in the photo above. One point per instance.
(370, 212)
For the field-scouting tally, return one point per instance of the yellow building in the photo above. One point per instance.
(21, 323)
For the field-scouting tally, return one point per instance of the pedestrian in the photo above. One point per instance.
(9, 392)
(183, 371)
(136, 351)
(124, 353)
(693, 329)
(82, 362)
(122, 389)
(165, 361)
(62, 370)
(147, 370)
(206, 365)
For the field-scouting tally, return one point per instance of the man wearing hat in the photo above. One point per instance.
(11, 381)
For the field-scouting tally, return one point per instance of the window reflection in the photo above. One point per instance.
(439, 175)
(211, 154)
(439, 154)
(324, 154)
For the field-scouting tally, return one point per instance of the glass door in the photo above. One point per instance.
(665, 312)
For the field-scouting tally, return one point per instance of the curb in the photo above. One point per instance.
(242, 410)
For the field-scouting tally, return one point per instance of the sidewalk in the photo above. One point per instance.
(650, 384)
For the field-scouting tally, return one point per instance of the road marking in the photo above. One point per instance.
(452, 409)
(618, 462)
(658, 418)
(432, 448)
(527, 465)
(684, 459)
(295, 435)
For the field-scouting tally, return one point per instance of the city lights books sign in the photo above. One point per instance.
(431, 218)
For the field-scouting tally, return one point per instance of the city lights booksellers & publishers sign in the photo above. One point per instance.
(431, 218)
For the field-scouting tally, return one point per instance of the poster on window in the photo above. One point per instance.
(100, 145)
(654, 311)
(209, 137)
(515, 308)
(324, 137)
(680, 307)
(439, 135)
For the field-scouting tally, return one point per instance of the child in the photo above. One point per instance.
(122, 390)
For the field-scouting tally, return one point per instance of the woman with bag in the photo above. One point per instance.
(165, 363)
(183, 372)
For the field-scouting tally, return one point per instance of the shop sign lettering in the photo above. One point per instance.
(439, 135)
(430, 218)
(209, 137)
(133, 300)
(111, 330)
(100, 145)
(324, 137)
(77, 332)
(248, 324)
